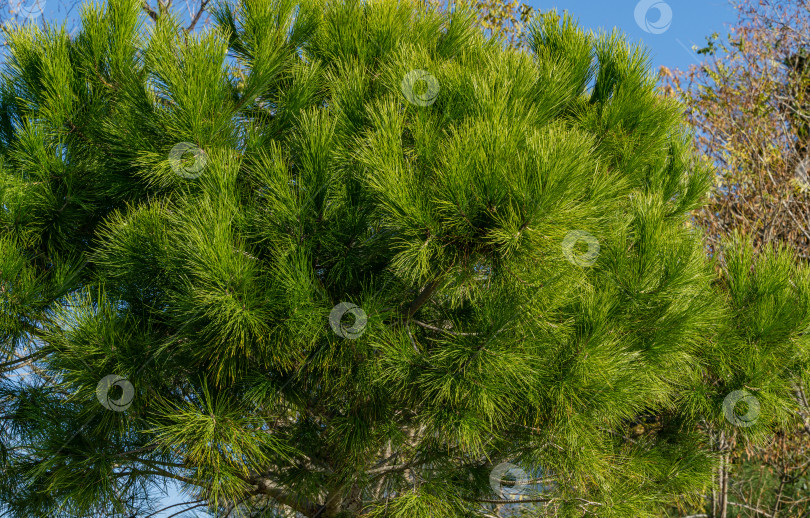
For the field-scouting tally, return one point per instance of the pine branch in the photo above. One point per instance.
(196, 17)
(287, 498)
(148, 9)
(441, 330)
(421, 299)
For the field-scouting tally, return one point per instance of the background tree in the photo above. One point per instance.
(357, 259)
(749, 104)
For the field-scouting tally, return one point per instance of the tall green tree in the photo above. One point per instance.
(356, 259)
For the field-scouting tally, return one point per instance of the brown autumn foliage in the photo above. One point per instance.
(749, 105)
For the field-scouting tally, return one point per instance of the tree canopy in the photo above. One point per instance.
(348, 259)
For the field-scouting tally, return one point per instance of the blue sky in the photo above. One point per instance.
(684, 23)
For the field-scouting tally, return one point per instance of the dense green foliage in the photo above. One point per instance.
(391, 158)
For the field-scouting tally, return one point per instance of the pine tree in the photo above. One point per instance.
(355, 259)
